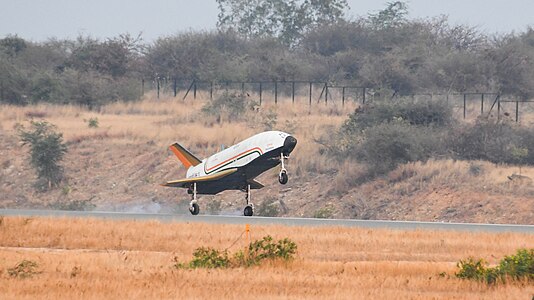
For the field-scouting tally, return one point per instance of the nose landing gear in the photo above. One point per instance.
(282, 177)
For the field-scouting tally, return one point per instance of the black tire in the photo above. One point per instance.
(282, 178)
(248, 211)
(194, 209)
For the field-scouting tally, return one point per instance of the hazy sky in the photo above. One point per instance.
(38, 20)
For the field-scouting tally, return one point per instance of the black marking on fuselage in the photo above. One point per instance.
(239, 179)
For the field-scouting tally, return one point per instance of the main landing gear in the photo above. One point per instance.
(282, 177)
(193, 205)
(249, 209)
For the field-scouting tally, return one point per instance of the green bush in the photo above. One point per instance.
(24, 269)
(514, 267)
(266, 249)
(423, 113)
(46, 151)
(209, 258)
(256, 253)
(387, 145)
(494, 141)
(92, 122)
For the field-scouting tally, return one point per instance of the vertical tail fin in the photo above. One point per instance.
(186, 157)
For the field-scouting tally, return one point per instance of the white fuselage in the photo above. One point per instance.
(240, 154)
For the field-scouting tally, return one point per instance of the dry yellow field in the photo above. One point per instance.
(99, 259)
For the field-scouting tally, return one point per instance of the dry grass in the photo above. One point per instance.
(169, 119)
(88, 258)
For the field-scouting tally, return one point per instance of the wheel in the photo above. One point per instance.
(282, 177)
(249, 211)
(194, 209)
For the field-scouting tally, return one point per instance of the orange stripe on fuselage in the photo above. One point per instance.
(181, 157)
(222, 163)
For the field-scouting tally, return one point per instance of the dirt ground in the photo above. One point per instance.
(119, 165)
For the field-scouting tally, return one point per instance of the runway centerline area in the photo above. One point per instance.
(216, 219)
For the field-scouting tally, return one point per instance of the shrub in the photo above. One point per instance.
(24, 269)
(514, 267)
(229, 105)
(387, 145)
(257, 252)
(266, 249)
(92, 122)
(209, 258)
(423, 113)
(494, 141)
(325, 212)
(46, 150)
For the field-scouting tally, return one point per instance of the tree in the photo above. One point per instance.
(46, 151)
(286, 20)
(12, 45)
(392, 16)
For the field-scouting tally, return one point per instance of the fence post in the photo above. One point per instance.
(275, 92)
(142, 87)
(326, 93)
(310, 93)
(189, 89)
(174, 86)
(343, 96)
(242, 88)
(261, 91)
(465, 100)
(363, 94)
(157, 80)
(516, 111)
(195, 90)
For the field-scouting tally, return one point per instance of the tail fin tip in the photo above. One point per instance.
(186, 157)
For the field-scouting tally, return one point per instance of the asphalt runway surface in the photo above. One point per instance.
(185, 218)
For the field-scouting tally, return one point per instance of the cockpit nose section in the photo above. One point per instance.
(289, 144)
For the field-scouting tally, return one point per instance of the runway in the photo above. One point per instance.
(185, 218)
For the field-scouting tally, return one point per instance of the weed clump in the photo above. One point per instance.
(265, 249)
(92, 122)
(24, 269)
(326, 212)
(514, 267)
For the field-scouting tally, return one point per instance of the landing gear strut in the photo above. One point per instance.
(193, 205)
(249, 209)
(282, 177)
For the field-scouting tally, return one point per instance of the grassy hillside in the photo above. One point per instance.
(119, 165)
